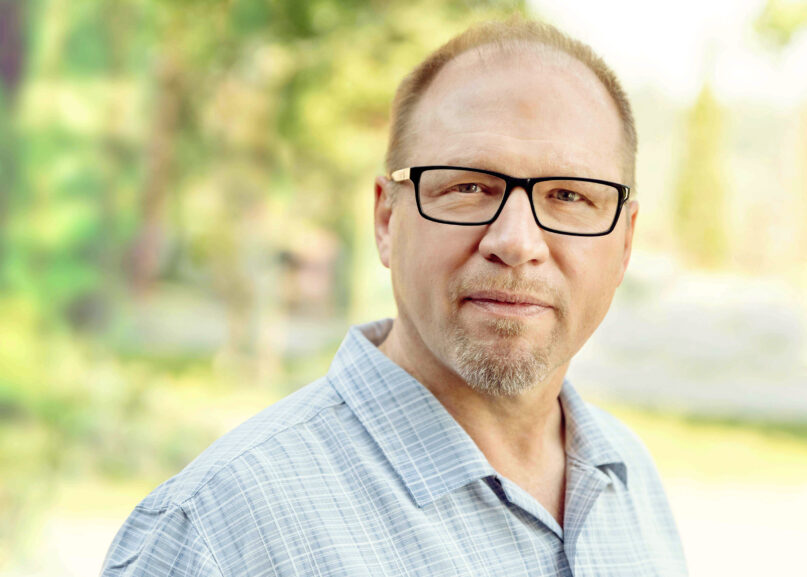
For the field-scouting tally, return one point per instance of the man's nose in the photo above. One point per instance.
(514, 238)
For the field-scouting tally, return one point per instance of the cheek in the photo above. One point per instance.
(425, 257)
(591, 270)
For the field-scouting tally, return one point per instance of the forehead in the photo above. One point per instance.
(527, 111)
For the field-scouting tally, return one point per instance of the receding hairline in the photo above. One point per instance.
(497, 55)
(513, 48)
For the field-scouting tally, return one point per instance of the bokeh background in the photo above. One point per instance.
(186, 234)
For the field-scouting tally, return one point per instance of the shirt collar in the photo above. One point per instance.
(428, 449)
(586, 441)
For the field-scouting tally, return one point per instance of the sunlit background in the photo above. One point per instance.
(185, 218)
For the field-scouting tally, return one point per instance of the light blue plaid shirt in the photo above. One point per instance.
(363, 472)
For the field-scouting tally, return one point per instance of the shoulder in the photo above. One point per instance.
(645, 490)
(643, 482)
(174, 520)
(265, 432)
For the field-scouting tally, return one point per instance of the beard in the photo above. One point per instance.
(503, 368)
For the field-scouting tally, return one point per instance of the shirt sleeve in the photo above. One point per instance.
(159, 543)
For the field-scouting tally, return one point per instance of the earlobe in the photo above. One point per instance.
(383, 214)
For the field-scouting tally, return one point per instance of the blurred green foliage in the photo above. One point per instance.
(195, 149)
(780, 20)
(180, 178)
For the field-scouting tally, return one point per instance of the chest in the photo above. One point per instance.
(375, 529)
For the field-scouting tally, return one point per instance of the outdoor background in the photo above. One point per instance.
(186, 234)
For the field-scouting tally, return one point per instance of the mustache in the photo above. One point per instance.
(538, 288)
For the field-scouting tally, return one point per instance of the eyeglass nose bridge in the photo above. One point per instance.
(526, 184)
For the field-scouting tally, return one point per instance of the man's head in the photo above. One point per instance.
(504, 306)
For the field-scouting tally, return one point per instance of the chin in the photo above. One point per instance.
(507, 365)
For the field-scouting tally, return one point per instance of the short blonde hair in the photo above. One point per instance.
(502, 35)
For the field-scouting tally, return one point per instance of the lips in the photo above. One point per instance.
(508, 304)
(501, 297)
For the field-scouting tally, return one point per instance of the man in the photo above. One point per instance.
(446, 442)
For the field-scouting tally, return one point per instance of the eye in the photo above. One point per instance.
(568, 195)
(468, 188)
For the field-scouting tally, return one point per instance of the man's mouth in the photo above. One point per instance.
(507, 303)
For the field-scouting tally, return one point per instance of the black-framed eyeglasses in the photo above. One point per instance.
(471, 197)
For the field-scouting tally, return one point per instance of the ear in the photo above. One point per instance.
(383, 214)
(632, 209)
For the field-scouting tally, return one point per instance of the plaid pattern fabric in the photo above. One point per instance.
(363, 472)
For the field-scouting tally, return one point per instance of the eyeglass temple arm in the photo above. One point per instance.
(400, 175)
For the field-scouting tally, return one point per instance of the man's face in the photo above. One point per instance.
(505, 306)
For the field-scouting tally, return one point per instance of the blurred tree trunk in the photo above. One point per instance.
(11, 46)
(12, 58)
(118, 18)
(149, 242)
(92, 309)
(801, 262)
(700, 212)
(779, 23)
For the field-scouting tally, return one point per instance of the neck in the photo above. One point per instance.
(514, 433)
